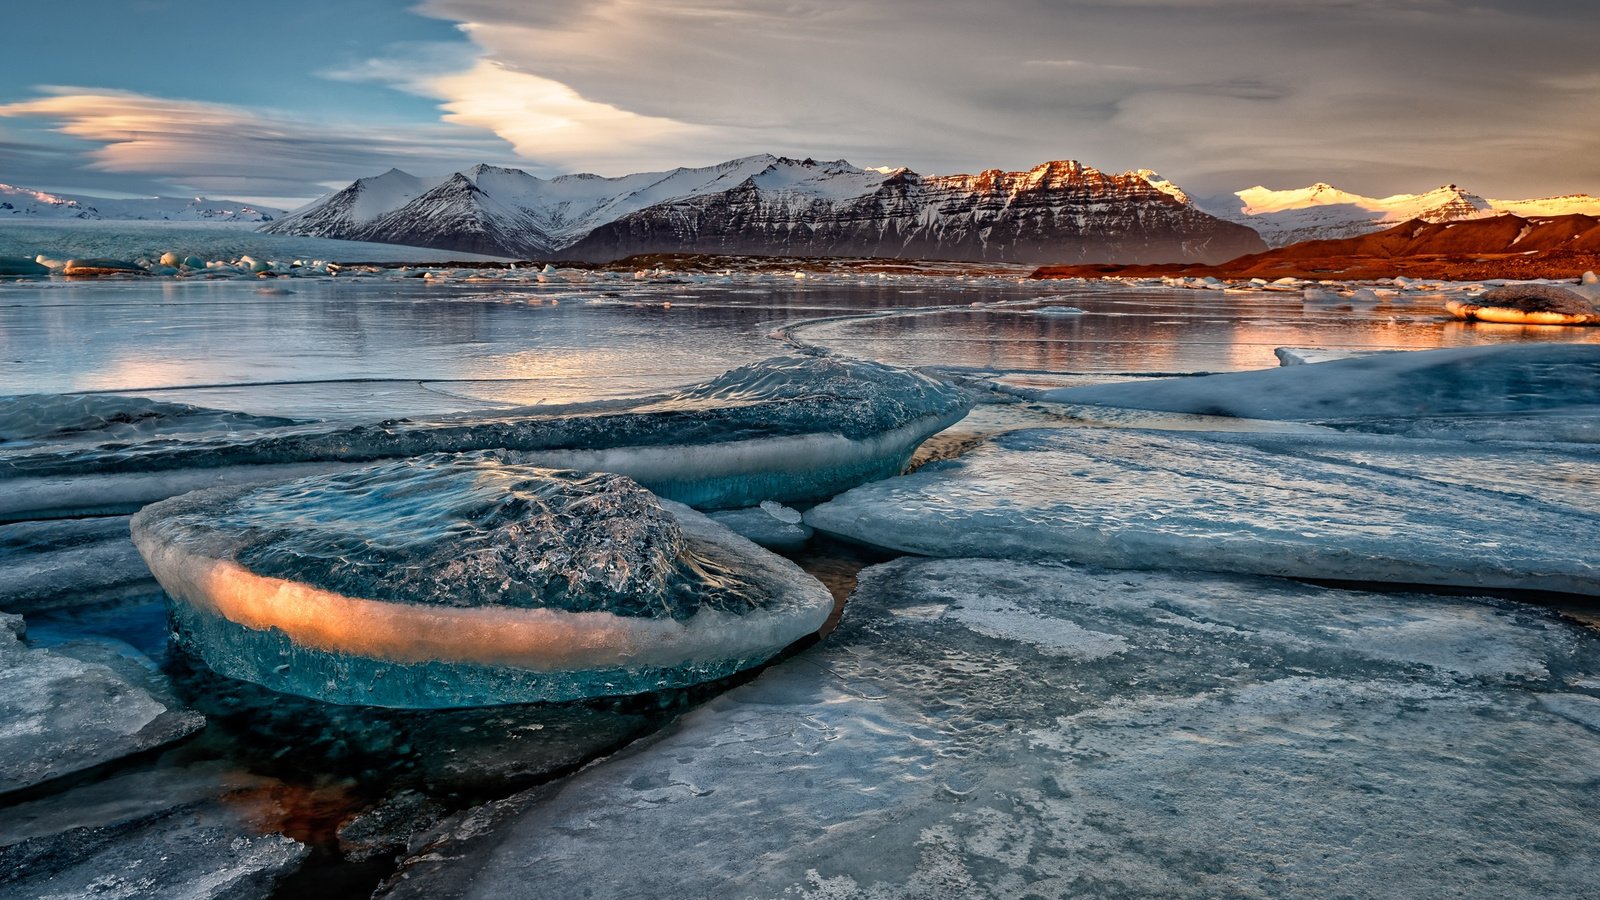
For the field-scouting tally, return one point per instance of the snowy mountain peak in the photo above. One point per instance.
(1162, 184)
(1322, 211)
(766, 204)
(26, 203)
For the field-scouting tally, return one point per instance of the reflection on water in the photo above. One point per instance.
(1157, 331)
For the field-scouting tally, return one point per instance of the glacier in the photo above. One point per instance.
(787, 429)
(466, 580)
(995, 728)
(1333, 506)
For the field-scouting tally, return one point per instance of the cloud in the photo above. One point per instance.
(195, 147)
(1384, 95)
(547, 123)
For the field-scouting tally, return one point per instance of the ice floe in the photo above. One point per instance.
(1527, 304)
(67, 562)
(1350, 506)
(986, 728)
(463, 580)
(60, 713)
(786, 429)
(1484, 385)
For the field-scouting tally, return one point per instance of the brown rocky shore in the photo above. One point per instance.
(1507, 246)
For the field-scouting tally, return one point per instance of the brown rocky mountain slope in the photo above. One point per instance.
(1507, 246)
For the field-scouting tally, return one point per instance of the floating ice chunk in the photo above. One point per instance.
(1341, 507)
(1503, 379)
(1527, 304)
(1589, 278)
(790, 429)
(94, 267)
(21, 267)
(963, 735)
(1299, 356)
(770, 524)
(60, 715)
(463, 580)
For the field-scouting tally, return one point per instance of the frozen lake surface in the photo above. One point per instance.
(976, 726)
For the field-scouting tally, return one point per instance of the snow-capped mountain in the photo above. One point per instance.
(1322, 211)
(17, 203)
(1059, 211)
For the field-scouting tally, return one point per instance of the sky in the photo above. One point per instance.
(281, 102)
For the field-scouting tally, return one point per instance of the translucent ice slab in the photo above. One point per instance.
(990, 728)
(787, 429)
(464, 580)
(1490, 388)
(1357, 507)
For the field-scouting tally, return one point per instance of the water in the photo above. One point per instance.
(386, 347)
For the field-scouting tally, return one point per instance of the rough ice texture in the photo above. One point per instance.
(60, 714)
(55, 418)
(1468, 382)
(456, 580)
(790, 429)
(1098, 734)
(164, 834)
(1341, 506)
(63, 563)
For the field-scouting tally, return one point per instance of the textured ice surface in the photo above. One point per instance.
(58, 418)
(60, 714)
(67, 562)
(1476, 385)
(770, 524)
(1346, 506)
(459, 580)
(790, 428)
(988, 728)
(156, 833)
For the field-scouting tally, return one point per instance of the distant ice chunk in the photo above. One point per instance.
(1527, 304)
(465, 580)
(994, 729)
(1354, 507)
(21, 267)
(1488, 384)
(787, 429)
(60, 714)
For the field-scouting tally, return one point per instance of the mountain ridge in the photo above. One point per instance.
(773, 205)
(20, 203)
(1321, 211)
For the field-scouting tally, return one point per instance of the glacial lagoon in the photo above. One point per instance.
(971, 727)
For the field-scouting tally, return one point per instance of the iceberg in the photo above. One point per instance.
(991, 728)
(61, 714)
(467, 580)
(788, 429)
(1341, 506)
